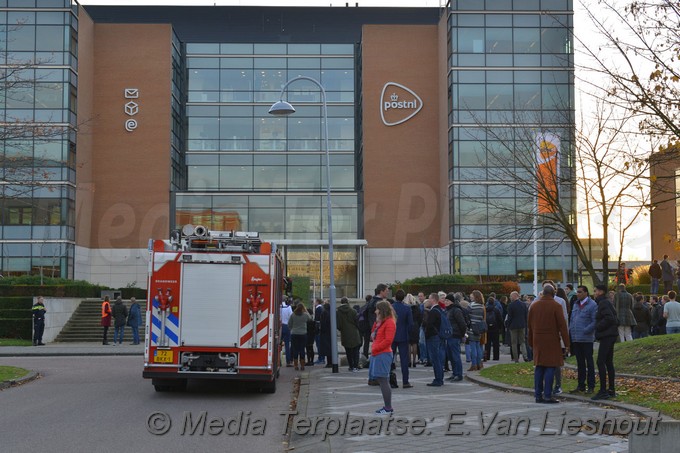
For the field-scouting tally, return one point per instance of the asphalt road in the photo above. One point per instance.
(102, 404)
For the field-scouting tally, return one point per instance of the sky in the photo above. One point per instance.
(637, 245)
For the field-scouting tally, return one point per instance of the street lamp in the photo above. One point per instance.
(282, 108)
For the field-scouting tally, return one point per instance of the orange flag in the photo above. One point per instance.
(547, 168)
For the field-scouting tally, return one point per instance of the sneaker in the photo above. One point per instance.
(456, 379)
(577, 390)
(384, 411)
(589, 391)
(407, 386)
(551, 401)
(601, 396)
(557, 391)
(540, 400)
(611, 393)
(434, 384)
(355, 370)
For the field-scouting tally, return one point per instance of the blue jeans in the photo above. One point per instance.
(637, 334)
(543, 379)
(135, 334)
(118, 334)
(453, 353)
(434, 353)
(655, 286)
(476, 353)
(317, 340)
(422, 346)
(467, 352)
(670, 330)
(285, 337)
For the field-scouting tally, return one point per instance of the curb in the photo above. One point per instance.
(32, 375)
(633, 376)
(71, 354)
(638, 410)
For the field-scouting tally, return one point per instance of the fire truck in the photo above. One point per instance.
(213, 309)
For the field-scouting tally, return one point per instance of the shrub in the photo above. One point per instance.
(15, 303)
(640, 276)
(443, 279)
(301, 288)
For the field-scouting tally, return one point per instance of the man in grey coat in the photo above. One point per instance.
(666, 274)
(623, 304)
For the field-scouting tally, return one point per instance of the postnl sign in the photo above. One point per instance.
(398, 104)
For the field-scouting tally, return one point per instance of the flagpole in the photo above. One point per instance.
(535, 234)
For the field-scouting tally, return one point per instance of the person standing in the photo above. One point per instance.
(382, 336)
(494, 319)
(297, 326)
(582, 331)
(517, 325)
(623, 304)
(311, 337)
(106, 319)
(643, 318)
(286, 312)
(134, 319)
(325, 349)
(431, 323)
(119, 313)
(547, 327)
(666, 274)
(422, 345)
(458, 329)
(38, 310)
(349, 333)
(606, 331)
(400, 343)
(318, 311)
(671, 311)
(477, 318)
(414, 332)
(655, 275)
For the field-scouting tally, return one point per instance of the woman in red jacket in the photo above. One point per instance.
(382, 335)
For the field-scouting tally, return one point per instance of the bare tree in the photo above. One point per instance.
(599, 163)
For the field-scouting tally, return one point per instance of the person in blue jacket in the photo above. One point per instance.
(582, 332)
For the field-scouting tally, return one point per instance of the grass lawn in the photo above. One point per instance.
(8, 373)
(652, 356)
(15, 342)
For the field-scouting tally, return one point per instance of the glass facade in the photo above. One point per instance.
(510, 77)
(38, 85)
(251, 171)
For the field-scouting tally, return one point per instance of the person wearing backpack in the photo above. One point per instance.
(456, 317)
(493, 321)
(432, 321)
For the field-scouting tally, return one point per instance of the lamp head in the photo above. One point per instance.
(281, 108)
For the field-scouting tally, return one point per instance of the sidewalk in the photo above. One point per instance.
(71, 349)
(484, 419)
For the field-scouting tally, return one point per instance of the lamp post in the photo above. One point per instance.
(283, 108)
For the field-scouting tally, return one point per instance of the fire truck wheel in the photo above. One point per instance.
(169, 385)
(269, 387)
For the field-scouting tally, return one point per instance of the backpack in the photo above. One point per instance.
(362, 319)
(445, 330)
(491, 317)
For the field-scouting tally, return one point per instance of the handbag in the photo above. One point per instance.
(478, 328)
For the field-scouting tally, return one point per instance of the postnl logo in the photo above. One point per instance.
(398, 104)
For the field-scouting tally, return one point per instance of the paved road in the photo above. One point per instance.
(102, 404)
(459, 417)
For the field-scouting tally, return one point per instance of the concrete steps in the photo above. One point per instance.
(84, 325)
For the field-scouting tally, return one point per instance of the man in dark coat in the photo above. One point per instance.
(458, 329)
(517, 325)
(400, 342)
(606, 331)
(119, 313)
(349, 333)
(655, 275)
(546, 326)
(325, 335)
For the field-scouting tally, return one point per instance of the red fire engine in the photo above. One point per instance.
(213, 309)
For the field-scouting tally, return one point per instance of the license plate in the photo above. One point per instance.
(163, 356)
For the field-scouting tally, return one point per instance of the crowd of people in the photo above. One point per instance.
(434, 330)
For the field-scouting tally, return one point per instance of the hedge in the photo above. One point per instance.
(16, 328)
(301, 288)
(126, 293)
(52, 290)
(16, 314)
(15, 303)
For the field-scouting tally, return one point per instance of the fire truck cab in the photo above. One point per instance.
(213, 309)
